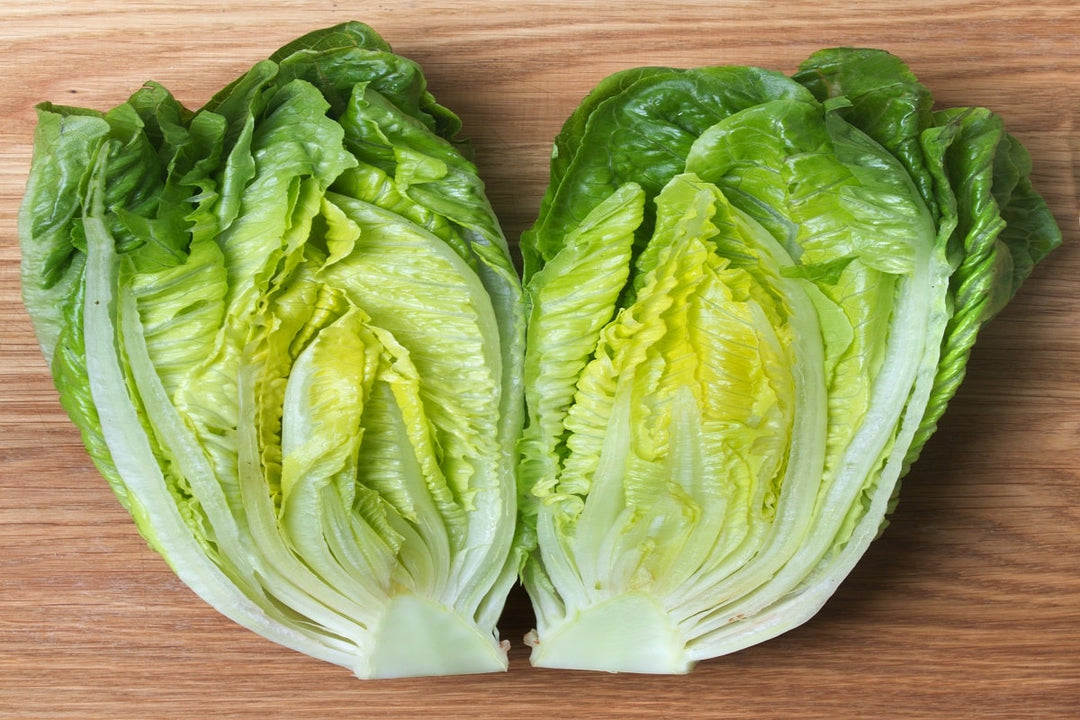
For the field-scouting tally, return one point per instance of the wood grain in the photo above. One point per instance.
(968, 607)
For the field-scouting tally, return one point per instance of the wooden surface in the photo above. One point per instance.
(968, 607)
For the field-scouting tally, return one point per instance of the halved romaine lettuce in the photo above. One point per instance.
(290, 332)
(750, 298)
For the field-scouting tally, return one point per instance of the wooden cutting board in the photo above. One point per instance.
(968, 607)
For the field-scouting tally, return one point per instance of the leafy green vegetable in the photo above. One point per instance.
(289, 330)
(750, 299)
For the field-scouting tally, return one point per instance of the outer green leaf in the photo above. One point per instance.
(638, 127)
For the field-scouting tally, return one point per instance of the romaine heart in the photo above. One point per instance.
(289, 329)
(750, 300)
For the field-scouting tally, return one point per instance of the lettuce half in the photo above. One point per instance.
(289, 330)
(750, 299)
